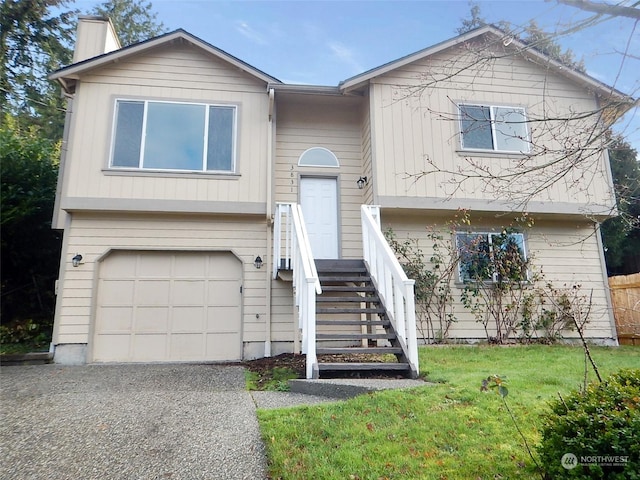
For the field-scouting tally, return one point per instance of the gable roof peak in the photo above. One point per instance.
(506, 40)
(73, 71)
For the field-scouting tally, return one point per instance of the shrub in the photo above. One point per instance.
(595, 433)
(26, 335)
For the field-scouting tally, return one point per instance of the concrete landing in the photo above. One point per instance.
(342, 388)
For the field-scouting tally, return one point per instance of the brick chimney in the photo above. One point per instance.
(94, 36)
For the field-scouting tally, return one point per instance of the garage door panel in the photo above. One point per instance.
(188, 292)
(223, 346)
(149, 348)
(116, 292)
(169, 306)
(224, 292)
(154, 264)
(111, 348)
(190, 265)
(120, 265)
(153, 292)
(187, 319)
(187, 346)
(151, 320)
(115, 320)
(223, 319)
(220, 264)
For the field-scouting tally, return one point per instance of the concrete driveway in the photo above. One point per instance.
(128, 422)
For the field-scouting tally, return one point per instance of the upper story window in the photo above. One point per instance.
(318, 157)
(491, 257)
(174, 136)
(502, 129)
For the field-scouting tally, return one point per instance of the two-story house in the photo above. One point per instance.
(184, 171)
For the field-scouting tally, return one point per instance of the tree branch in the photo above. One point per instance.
(603, 8)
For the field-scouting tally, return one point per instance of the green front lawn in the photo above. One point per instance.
(449, 430)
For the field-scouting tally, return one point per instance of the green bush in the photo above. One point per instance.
(28, 335)
(595, 433)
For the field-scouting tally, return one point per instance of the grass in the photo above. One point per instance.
(446, 431)
(275, 379)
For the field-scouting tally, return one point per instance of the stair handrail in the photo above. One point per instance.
(394, 287)
(306, 284)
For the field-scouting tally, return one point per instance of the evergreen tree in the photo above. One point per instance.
(621, 235)
(33, 42)
(30, 248)
(134, 20)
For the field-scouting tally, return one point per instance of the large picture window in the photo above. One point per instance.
(174, 136)
(494, 128)
(491, 257)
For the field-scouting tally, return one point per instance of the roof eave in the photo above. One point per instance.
(306, 89)
(601, 89)
(74, 71)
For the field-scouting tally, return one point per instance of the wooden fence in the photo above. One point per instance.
(625, 295)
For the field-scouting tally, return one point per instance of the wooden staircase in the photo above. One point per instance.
(360, 329)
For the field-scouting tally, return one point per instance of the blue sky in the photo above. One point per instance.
(324, 42)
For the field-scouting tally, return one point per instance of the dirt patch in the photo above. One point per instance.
(291, 361)
(268, 370)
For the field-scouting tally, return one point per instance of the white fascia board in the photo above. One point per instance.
(74, 71)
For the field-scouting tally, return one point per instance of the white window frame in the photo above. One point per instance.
(489, 235)
(141, 167)
(492, 122)
(312, 149)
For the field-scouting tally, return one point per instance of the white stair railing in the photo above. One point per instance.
(291, 250)
(394, 287)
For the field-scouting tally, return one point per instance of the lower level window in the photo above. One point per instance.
(174, 136)
(491, 257)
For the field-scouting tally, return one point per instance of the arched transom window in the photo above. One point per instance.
(318, 157)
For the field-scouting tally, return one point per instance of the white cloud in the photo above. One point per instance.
(345, 55)
(245, 29)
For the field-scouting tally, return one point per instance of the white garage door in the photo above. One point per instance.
(168, 306)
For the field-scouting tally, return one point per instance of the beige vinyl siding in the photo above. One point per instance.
(367, 164)
(93, 236)
(415, 122)
(333, 123)
(175, 74)
(567, 253)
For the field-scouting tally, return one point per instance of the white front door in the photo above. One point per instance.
(319, 202)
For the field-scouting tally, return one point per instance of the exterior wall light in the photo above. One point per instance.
(258, 262)
(362, 181)
(75, 261)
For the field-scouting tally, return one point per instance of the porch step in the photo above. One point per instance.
(355, 336)
(357, 299)
(344, 278)
(357, 350)
(372, 323)
(351, 311)
(369, 366)
(352, 278)
(348, 288)
(339, 265)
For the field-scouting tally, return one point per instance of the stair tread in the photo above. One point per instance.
(363, 366)
(344, 278)
(348, 288)
(357, 299)
(372, 323)
(326, 262)
(335, 311)
(347, 350)
(354, 336)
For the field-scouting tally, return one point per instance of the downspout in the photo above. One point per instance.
(269, 222)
